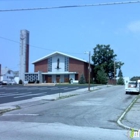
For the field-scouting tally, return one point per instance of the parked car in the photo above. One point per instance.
(4, 82)
(132, 87)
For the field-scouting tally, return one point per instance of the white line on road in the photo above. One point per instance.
(71, 88)
(21, 114)
(12, 94)
(2, 92)
(30, 95)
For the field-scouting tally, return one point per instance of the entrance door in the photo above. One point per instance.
(57, 78)
(49, 79)
(66, 78)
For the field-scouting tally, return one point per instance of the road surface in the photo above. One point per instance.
(91, 116)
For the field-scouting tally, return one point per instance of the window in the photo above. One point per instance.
(50, 64)
(66, 64)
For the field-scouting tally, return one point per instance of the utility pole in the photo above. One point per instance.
(88, 70)
(89, 74)
(114, 72)
(114, 69)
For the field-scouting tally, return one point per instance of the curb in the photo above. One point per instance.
(4, 110)
(124, 113)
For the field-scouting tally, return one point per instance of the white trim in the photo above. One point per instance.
(31, 72)
(57, 73)
(56, 52)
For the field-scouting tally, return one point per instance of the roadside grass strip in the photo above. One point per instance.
(119, 121)
(65, 96)
(2, 111)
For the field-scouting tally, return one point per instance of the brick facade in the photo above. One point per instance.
(41, 66)
(27, 58)
(74, 66)
(79, 67)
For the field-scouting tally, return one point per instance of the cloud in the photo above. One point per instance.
(134, 26)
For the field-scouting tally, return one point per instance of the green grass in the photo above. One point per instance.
(66, 96)
(67, 84)
(8, 110)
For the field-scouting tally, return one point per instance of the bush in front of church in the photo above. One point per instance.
(82, 79)
(20, 82)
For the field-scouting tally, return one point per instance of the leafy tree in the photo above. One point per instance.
(120, 73)
(104, 57)
(120, 81)
(135, 78)
(101, 76)
(82, 79)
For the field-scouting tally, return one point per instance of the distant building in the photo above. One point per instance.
(58, 68)
(24, 54)
(8, 75)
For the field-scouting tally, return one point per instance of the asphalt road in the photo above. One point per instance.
(88, 116)
(18, 93)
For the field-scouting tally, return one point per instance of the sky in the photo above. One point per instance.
(72, 31)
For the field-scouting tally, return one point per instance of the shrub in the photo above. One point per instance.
(37, 81)
(120, 81)
(20, 82)
(101, 76)
(70, 80)
(82, 79)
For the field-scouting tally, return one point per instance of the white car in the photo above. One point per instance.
(132, 87)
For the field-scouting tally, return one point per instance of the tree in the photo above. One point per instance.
(135, 78)
(120, 73)
(101, 76)
(104, 57)
(82, 79)
(120, 81)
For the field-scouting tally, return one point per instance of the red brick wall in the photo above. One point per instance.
(41, 66)
(86, 71)
(78, 66)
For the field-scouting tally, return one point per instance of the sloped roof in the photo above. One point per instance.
(57, 52)
(4, 70)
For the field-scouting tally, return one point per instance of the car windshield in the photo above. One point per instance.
(132, 83)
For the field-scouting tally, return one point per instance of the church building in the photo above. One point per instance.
(59, 67)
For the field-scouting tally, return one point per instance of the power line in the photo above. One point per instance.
(34, 46)
(70, 6)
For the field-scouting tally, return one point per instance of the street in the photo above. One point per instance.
(87, 116)
(18, 93)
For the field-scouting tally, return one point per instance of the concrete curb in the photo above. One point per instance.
(7, 109)
(124, 113)
(42, 84)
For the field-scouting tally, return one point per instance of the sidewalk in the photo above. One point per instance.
(15, 105)
(132, 117)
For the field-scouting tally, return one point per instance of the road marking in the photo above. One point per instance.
(2, 92)
(32, 89)
(64, 88)
(20, 114)
(29, 95)
(55, 88)
(71, 88)
(13, 94)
